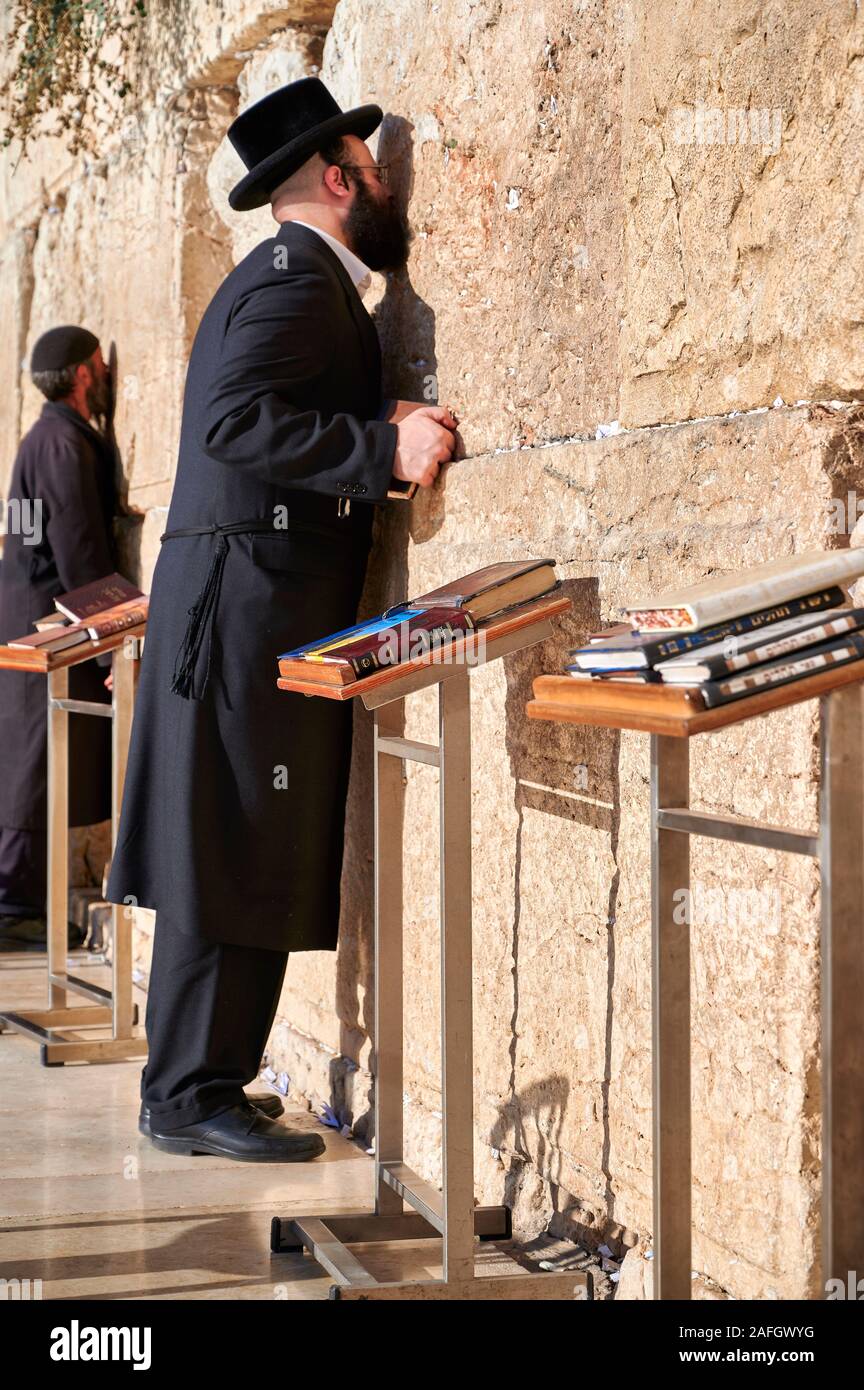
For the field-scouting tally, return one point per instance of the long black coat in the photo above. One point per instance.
(234, 805)
(66, 465)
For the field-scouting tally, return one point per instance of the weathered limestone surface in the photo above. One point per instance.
(291, 55)
(743, 254)
(636, 213)
(581, 259)
(16, 292)
(506, 125)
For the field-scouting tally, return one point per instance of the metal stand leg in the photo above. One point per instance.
(125, 665)
(450, 1214)
(841, 861)
(670, 1002)
(457, 1051)
(112, 1008)
(389, 804)
(58, 836)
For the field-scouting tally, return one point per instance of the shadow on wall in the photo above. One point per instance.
(400, 317)
(128, 522)
(570, 771)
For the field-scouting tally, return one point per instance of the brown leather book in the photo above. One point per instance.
(58, 639)
(492, 588)
(52, 639)
(118, 618)
(96, 597)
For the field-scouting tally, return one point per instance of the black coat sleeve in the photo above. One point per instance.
(277, 354)
(75, 520)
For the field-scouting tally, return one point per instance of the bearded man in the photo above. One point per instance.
(59, 535)
(233, 813)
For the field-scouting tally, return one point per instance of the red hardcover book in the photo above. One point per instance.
(94, 598)
(404, 639)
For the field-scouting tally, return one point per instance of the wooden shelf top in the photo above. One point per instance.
(661, 709)
(535, 611)
(32, 659)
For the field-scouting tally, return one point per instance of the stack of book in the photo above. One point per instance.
(88, 614)
(430, 623)
(731, 636)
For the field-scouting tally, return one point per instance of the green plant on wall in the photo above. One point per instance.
(57, 68)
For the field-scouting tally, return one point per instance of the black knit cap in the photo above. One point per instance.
(65, 346)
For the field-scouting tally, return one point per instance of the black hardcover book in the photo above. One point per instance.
(646, 649)
(780, 640)
(815, 659)
(643, 674)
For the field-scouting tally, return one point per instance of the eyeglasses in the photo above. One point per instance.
(383, 170)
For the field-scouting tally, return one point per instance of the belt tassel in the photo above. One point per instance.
(200, 622)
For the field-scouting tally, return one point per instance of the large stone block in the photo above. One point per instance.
(503, 123)
(140, 225)
(743, 231)
(114, 220)
(294, 54)
(610, 225)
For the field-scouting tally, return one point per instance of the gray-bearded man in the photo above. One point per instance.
(63, 488)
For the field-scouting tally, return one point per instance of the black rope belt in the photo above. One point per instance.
(203, 610)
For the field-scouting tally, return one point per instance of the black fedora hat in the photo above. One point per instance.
(284, 129)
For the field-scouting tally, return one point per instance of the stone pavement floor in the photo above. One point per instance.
(90, 1207)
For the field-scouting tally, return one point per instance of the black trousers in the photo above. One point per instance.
(23, 872)
(210, 1008)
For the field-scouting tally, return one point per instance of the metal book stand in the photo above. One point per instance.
(51, 1027)
(450, 1214)
(837, 845)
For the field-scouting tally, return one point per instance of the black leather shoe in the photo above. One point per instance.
(241, 1132)
(262, 1100)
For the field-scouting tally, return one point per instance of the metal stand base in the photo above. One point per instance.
(449, 1215)
(327, 1240)
(112, 1008)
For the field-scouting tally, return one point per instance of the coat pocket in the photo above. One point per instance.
(312, 550)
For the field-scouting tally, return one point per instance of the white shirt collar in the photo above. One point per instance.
(361, 275)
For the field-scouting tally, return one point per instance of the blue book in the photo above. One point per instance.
(390, 618)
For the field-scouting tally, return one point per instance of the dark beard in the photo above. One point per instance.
(377, 232)
(98, 397)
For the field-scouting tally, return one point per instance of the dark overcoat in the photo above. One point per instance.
(65, 466)
(234, 805)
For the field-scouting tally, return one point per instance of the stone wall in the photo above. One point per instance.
(636, 277)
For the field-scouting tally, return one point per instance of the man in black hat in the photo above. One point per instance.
(233, 812)
(59, 518)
